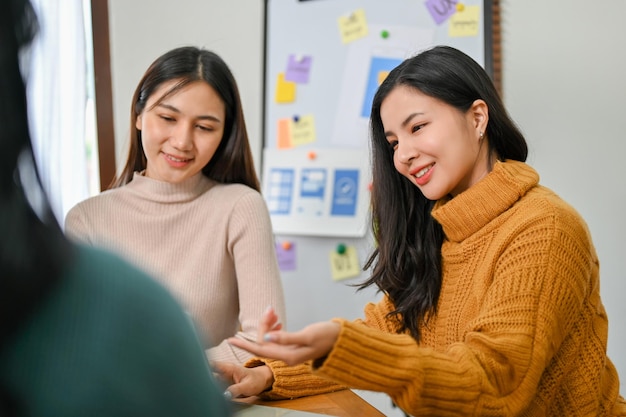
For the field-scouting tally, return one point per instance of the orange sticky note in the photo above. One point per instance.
(283, 139)
(285, 90)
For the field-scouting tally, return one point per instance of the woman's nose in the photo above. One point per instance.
(405, 152)
(182, 138)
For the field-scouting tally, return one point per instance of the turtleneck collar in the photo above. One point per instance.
(471, 210)
(166, 192)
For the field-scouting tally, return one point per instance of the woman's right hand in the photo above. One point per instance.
(242, 381)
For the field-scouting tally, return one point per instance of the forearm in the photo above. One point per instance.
(225, 352)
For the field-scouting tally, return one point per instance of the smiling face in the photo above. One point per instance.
(181, 133)
(436, 146)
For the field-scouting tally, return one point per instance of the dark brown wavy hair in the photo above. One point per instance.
(406, 264)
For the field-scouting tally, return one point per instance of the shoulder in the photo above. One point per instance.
(99, 201)
(236, 194)
(545, 215)
(542, 200)
(233, 189)
(82, 216)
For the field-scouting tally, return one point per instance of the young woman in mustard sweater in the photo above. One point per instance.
(491, 299)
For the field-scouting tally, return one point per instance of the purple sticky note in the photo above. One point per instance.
(298, 68)
(286, 256)
(441, 10)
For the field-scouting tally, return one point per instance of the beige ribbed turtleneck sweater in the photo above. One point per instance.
(520, 328)
(211, 244)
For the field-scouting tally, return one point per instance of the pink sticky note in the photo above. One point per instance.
(298, 68)
(441, 10)
(286, 257)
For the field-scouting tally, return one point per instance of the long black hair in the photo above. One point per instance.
(232, 161)
(406, 264)
(33, 249)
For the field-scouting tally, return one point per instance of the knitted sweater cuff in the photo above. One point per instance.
(293, 381)
(361, 357)
(369, 359)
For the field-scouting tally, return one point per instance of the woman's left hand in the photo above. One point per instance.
(312, 342)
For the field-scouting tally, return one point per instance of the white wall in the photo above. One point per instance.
(565, 84)
(564, 76)
(141, 30)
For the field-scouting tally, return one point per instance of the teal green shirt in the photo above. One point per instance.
(109, 341)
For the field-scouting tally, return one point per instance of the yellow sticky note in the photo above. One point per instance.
(344, 265)
(381, 76)
(353, 27)
(285, 90)
(303, 131)
(283, 139)
(465, 22)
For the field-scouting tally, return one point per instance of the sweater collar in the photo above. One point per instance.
(471, 210)
(166, 192)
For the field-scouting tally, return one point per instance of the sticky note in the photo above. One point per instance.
(298, 68)
(344, 265)
(286, 256)
(353, 27)
(441, 10)
(464, 23)
(381, 76)
(303, 131)
(285, 90)
(378, 67)
(283, 139)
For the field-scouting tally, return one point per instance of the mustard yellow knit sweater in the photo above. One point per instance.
(520, 328)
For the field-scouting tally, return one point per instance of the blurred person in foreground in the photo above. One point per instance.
(81, 331)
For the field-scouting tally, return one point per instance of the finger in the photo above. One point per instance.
(269, 321)
(292, 354)
(268, 350)
(245, 345)
(236, 391)
(286, 338)
(228, 395)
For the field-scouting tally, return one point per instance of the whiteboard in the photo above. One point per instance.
(324, 60)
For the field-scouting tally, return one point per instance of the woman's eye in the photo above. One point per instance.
(393, 144)
(205, 128)
(416, 128)
(167, 118)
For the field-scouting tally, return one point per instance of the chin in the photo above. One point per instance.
(434, 196)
